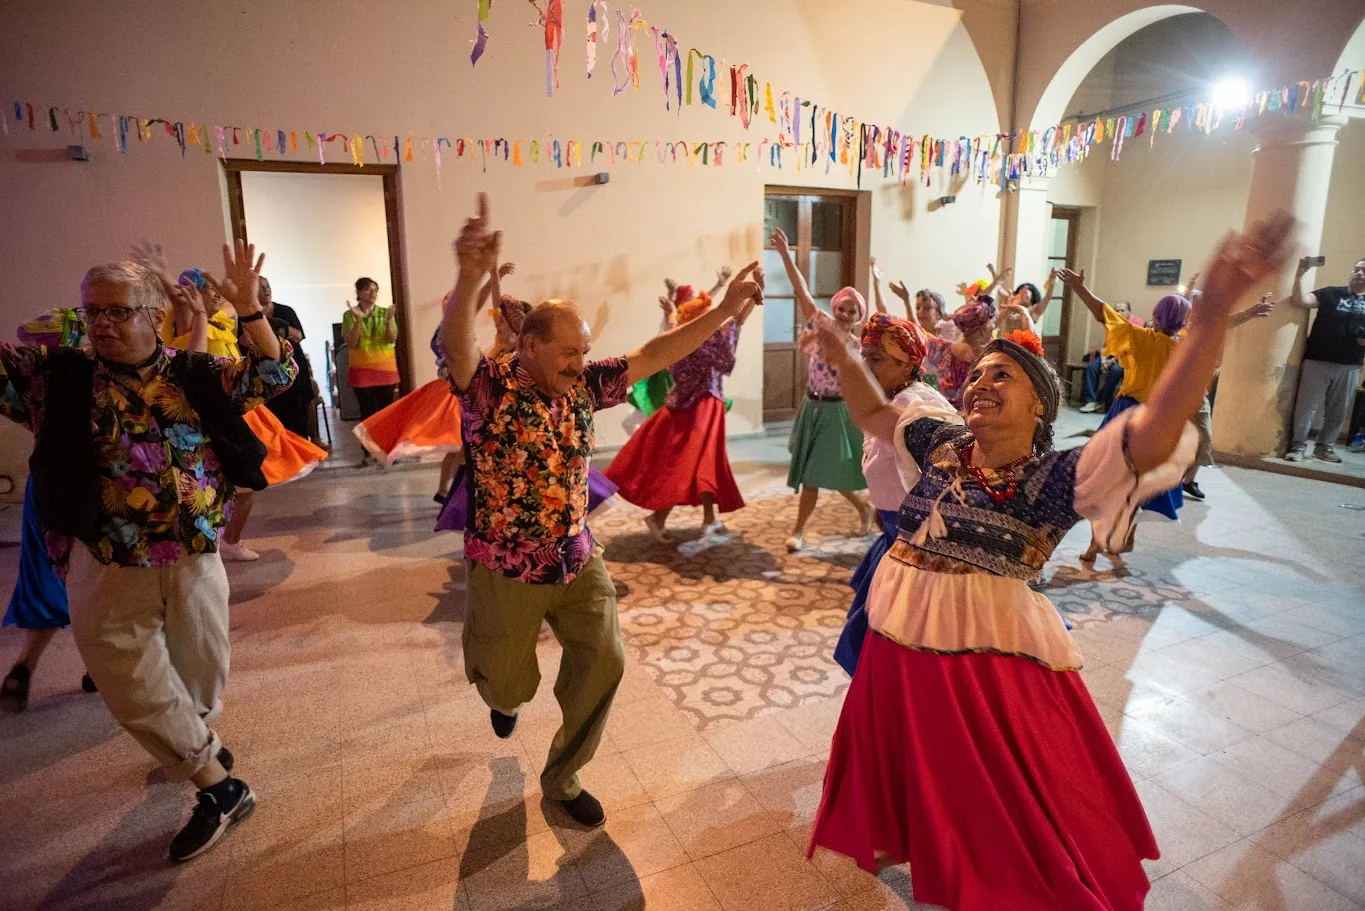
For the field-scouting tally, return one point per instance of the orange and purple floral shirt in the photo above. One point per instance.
(529, 457)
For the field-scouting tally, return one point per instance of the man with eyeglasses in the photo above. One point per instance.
(137, 452)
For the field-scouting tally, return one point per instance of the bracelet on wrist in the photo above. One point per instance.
(259, 314)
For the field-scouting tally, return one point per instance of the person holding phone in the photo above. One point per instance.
(1332, 360)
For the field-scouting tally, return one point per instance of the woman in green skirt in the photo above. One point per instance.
(826, 446)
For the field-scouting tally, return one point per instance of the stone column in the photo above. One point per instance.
(1291, 170)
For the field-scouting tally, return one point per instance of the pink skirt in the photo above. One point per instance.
(993, 777)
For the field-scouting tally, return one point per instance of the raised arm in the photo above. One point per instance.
(867, 406)
(190, 315)
(476, 253)
(1297, 296)
(1038, 309)
(242, 272)
(899, 289)
(1239, 263)
(1255, 311)
(1076, 282)
(804, 301)
(667, 348)
(877, 298)
(723, 275)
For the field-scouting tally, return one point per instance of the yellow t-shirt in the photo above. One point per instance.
(1141, 352)
(222, 332)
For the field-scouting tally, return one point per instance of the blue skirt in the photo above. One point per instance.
(855, 627)
(1168, 503)
(39, 599)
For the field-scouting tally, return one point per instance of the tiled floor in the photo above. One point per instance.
(1229, 663)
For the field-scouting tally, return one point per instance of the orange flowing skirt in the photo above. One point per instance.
(288, 455)
(425, 420)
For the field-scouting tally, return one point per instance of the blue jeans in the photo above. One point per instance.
(1094, 392)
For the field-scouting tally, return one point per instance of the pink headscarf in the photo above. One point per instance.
(848, 293)
(970, 317)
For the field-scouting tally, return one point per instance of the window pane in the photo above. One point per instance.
(826, 272)
(1051, 323)
(775, 276)
(780, 213)
(827, 225)
(1061, 228)
(823, 304)
(778, 320)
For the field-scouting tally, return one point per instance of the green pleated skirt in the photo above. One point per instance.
(826, 448)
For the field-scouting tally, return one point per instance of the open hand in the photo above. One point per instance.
(899, 289)
(723, 274)
(1071, 279)
(779, 240)
(876, 272)
(241, 275)
(506, 269)
(1245, 260)
(153, 258)
(476, 249)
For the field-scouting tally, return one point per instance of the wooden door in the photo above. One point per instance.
(821, 229)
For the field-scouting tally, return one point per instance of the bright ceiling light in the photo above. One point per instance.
(1231, 93)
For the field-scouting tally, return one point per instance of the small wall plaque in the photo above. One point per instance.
(1163, 272)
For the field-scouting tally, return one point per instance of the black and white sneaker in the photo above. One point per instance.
(1193, 491)
(211, 819)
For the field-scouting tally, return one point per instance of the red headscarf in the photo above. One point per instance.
(898, 339)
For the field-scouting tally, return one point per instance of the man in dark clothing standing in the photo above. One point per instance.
(1331, 362)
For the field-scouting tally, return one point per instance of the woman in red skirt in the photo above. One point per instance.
(968, 746)
(677, 457)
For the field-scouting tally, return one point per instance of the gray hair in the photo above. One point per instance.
(143, 283)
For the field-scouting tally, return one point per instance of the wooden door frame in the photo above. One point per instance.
(232, 173)
(1072, 216)
(852, 200)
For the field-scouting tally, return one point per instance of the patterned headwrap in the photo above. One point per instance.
(970, 317)
(1025, 349)
(899, 339)
(1171, 313)
(694, 307)
(514, 311)
(852, 294)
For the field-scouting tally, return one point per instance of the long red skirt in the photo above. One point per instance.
(425, 420)
(675, 457)
(994, 777)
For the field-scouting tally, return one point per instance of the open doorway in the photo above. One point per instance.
(324, 226)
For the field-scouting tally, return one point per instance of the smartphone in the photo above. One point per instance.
(1317, 261)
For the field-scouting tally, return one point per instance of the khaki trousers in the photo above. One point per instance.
(155, 641)
(502, 625)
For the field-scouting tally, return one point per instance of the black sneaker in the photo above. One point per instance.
(88, 684)
(1192, 491)
(503, 725)
(210, 820)
(585, 810)
(1327, 454)
(225, 759)
(14, 691)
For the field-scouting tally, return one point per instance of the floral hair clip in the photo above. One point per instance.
(1026, 340)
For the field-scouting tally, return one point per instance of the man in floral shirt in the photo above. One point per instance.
(148, 595)
(530, 555)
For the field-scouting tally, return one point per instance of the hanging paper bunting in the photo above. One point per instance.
(481, 39)
(592, 38)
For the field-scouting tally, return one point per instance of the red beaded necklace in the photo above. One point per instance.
(1008, 472)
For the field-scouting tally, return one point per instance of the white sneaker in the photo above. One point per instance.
(239, 553)
(795, 543)
(1090, 407)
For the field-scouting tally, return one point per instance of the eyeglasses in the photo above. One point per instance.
(113, 314)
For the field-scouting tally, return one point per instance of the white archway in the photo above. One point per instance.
(1051, 106)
